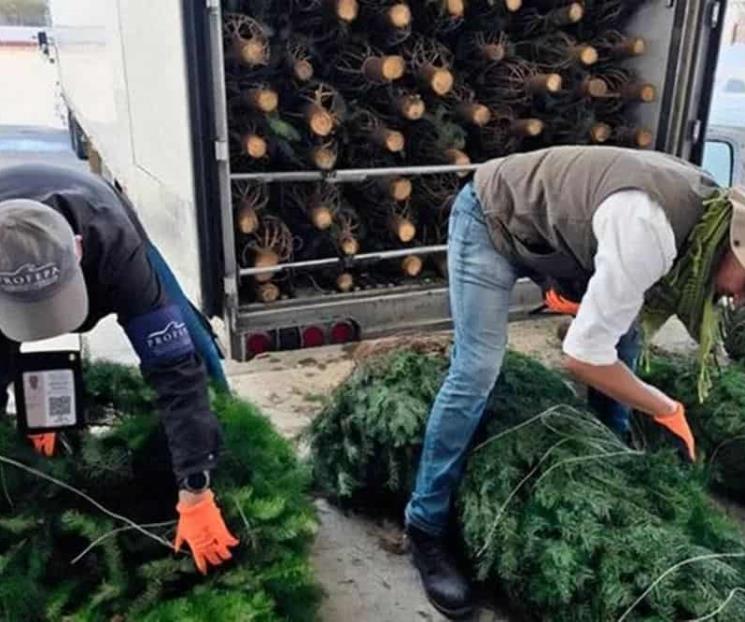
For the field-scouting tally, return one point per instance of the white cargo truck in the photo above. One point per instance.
(144, 84)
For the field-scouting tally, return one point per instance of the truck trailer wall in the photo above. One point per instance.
(123, 75)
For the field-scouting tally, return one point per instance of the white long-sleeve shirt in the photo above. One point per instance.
(636, 248)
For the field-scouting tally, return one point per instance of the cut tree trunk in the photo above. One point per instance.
(600, 133)
(593, 87)
(247, 219)
(254, 146)
(411, 107)
(545, 83)
(250, 52)
(473, 113)
(321, 217)
(567, 15)
(384, 68)
(349, 245)
(639, 91)
(320, 121)
(493, 52)
(411, 265)
(346, 10)
(397, 188)
(527, 128)
(629, 47)
(402, 228)
(323, 157)
(585, 54)
(262, 100)
(399, 15)
(267, 292)
(265, 258)
(439, 79)
(345, 282)
(390, 140)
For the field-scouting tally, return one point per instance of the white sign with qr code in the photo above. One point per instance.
(50, 398)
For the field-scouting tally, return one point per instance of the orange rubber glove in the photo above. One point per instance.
(44, 443)
(558, 304)
(678, 425)
(201, 526)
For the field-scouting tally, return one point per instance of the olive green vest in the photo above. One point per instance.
(539, 205)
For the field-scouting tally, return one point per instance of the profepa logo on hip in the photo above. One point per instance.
(174, 332)
(29, 278)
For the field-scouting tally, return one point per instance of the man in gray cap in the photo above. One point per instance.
(72, 251)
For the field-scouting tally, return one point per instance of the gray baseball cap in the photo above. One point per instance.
(42, 289)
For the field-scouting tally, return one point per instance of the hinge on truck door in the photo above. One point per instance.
(221, 150)
(715, 14)
(695, 130)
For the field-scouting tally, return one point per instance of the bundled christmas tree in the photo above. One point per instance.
(86, 535)
(554, 510)
(718, 423)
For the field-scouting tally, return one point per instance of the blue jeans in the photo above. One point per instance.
(481, 283)
(198, 326)
(614, 414)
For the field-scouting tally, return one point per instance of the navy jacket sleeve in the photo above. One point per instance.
(179, 379)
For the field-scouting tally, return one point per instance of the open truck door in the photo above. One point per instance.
(164, 135)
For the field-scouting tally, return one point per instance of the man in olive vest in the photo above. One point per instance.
(610, 221)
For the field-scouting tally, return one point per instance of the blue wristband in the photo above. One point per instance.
(159, 336)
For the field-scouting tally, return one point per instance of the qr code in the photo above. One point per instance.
(60, 406)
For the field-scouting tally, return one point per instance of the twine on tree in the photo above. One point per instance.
(91, 500)
(685, 562)
(114, 532)
(560, 410)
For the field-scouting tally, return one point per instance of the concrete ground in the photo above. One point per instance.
(364, 577)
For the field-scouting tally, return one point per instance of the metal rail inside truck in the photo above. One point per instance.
(144, 83)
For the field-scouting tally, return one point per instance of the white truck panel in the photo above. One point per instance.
(123, 74)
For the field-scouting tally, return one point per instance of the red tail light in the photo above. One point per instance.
(258, 343)
(312, 337)
(343, 332)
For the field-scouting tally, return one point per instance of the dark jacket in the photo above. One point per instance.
(121, 280)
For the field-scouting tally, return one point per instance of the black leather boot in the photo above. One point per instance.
(445, 585)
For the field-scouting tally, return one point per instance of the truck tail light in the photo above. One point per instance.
(313, 336)
(343, 332)
(297, 337)
(258, 343)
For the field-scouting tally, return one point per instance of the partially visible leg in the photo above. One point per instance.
(615, 415)
(201, 335)
(8, 351)
(481, 283)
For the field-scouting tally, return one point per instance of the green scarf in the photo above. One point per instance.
(687, 291)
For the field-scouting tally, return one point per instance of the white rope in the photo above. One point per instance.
(114, 532)
(520, 426)
(89, 499)
(560, 410)
(523, 481)
(609, 454)
(721, 607)
(672, 569)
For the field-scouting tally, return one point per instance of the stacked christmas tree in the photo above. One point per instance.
(325, 84)
(86, 535)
